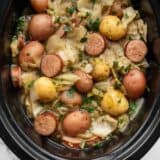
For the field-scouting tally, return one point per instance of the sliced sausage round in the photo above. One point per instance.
(76, 122)
(41, 27)
(30, 55)
(51, 65)
(39, 5)
(16, 76)
(95, 44)
(71, 99)
(45, 123)
(85, 83)
(135, 83)
(136, 50)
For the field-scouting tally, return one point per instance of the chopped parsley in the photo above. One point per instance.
(90, 109)
(58, 19)
(20, 25)
(71, 92)
(120, 120)
(132, 106)
(115, 65)
(30, 84)
(125, 69)
(130, 37)
(126, 16)
(42, 104)
(93, 25)
(88, 14)
(117, 85)
(84, 39)
(87, 104)
(121, 69)
(71, 10)
(93, 1)
(98, 145)
(88, 100)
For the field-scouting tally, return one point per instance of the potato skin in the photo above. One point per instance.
(45, 89)
(101, 70)
(41, 27)
(39, 5)
(30, 55)
(76, 122)
(112, 28)
(135, 83)
(45, 123)
(71, 99)
(85, 83)
(114, 102)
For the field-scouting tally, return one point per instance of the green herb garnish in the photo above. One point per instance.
(88, 100)
(70, 93)
(20, 25)
(120, 121)
(90, 109)
(30, 84)
(93, 1)
(71, 10)
(98, 145)
(129, 37)
(117, 85)
(126, 15)
(93, 25)
(133, 106)
(88, 14)
(115, 65)
(84, 39)
(57, 19)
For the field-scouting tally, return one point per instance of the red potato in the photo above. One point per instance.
(39, 5)
(85, 83)
(135, 83)
(30, 55)
(45, 123)
(95, 44)
(16, 76)
(136, 50)
(71, 99)
(76, 122)
(51, 65)
(41, 27)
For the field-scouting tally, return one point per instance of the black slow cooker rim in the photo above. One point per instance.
(150, 135)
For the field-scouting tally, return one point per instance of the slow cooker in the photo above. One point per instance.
(16, 129)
